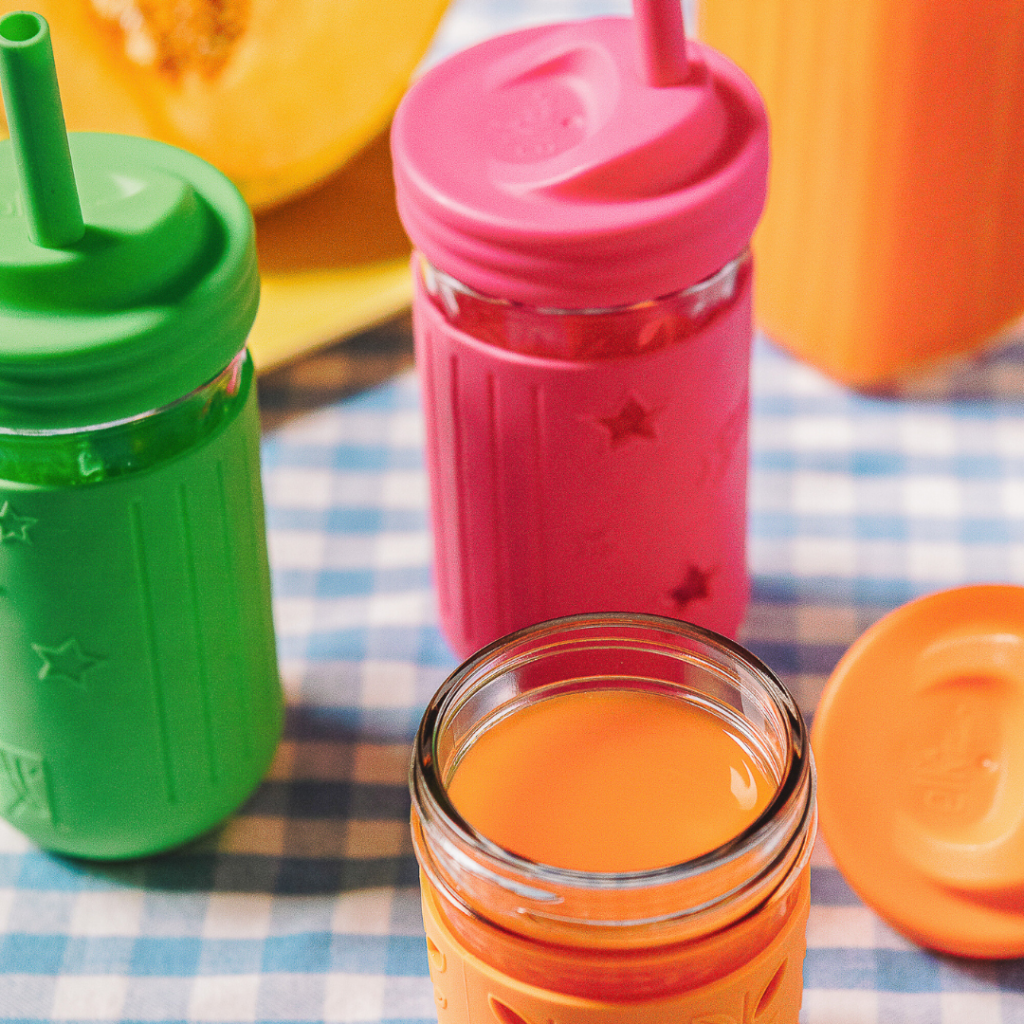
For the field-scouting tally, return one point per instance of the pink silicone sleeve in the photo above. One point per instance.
(561, 487)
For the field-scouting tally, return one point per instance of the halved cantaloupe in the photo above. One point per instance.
(275, 93)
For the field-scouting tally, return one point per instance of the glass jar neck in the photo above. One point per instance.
(507, 907)
(88, 455)
(649, 969)
(585, 334)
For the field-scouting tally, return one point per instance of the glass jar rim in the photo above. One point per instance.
(725, 273)
(231, 370)
(431, 802)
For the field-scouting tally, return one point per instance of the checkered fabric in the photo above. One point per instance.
(859, 504)
(304, 906)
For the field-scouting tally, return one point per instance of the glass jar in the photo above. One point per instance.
(582, 321)
(141, 701)
(73, 456)
(584, 334)
(719, 938)
(582, 460)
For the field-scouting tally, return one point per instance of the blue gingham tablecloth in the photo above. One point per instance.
(304, 906)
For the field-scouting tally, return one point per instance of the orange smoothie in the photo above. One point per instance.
(610, 781)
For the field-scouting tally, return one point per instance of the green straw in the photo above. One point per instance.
(28, 78)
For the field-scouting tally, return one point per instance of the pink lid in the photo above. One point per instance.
(545, 167)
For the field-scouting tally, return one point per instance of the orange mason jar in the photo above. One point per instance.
(647, 729)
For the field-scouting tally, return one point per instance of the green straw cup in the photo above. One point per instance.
(140, 701)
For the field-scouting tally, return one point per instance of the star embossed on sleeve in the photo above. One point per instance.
(14, 527)
(632, 420)
(23, 788)
(68, 661)
(694, 586)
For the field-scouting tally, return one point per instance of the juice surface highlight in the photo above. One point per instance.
(610, 781)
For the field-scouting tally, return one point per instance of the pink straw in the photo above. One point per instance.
(661, 37)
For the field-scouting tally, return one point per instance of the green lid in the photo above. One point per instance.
(136, 300)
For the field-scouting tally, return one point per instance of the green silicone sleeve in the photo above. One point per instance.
(139, 692)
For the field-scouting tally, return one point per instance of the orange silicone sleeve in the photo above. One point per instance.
(768, 987)
(893, 236)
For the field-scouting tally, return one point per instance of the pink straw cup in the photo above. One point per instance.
(581, 198)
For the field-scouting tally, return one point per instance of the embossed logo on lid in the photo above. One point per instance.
(550, 166)
(919, 741)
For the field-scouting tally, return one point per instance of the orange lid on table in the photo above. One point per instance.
(919, 741)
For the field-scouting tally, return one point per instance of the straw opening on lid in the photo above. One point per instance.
(20, 27)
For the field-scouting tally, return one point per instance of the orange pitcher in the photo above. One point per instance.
(613, 817)
(894, 231)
